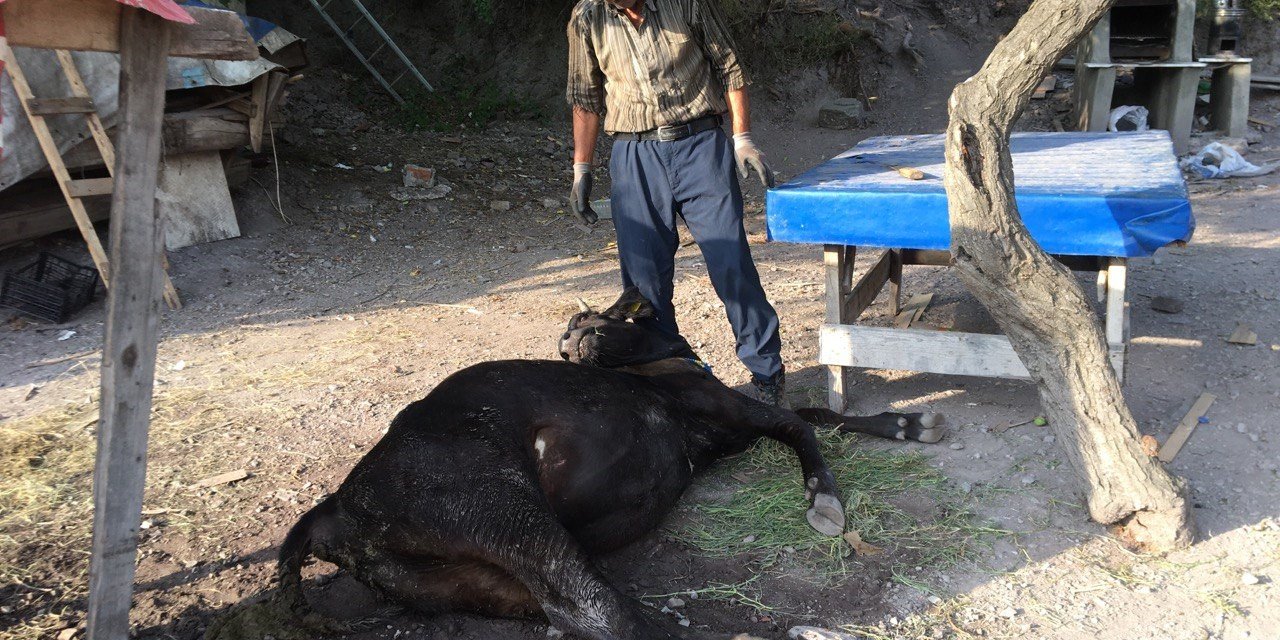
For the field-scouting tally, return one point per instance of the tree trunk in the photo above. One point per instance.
(1037, 302)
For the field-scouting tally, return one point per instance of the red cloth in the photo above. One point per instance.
(167, 9)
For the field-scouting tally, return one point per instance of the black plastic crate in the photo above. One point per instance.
(51, 288)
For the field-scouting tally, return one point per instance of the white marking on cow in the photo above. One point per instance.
(540, 446)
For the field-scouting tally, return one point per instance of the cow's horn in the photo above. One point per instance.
(583, 306)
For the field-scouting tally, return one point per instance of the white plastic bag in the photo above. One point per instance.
(1129, 118)
(1217, 160)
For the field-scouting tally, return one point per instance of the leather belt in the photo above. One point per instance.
(674, 132)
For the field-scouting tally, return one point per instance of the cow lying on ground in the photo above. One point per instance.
(491, 494)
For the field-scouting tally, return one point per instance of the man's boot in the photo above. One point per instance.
(772, 391)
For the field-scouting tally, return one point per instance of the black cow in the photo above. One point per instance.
(491, 494)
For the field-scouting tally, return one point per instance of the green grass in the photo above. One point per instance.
(764, 518)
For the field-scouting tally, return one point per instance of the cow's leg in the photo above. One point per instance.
(511, 534)
(923, 427)
(826, 511)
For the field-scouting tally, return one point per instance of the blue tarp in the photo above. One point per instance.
(1092, 194)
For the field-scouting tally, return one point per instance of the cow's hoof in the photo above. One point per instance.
(826, 516)
(930, 430)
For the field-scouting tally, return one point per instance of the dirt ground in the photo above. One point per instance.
(301, 340)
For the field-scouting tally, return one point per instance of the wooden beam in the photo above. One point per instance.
(87, 187)
(868, 287)
(190, 135)
(953, 353)
(58, 106)
(1185, 427)
(133, 313)
(838, 261)
(94, 25)
(258, 116)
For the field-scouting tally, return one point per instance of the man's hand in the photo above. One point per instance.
(580, 195)
(750, 157)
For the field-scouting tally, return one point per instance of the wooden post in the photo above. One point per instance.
(839, 272)
(1038, 303)
(133, 312)
(895, 282)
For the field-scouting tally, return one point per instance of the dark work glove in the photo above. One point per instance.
(750, 157)
(580, 195)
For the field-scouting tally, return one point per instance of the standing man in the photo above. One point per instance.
(661, 74)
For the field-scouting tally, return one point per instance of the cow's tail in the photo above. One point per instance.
(285, 614)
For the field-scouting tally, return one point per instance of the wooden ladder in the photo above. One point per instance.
(80, 102)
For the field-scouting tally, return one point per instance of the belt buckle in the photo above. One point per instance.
(671, 134)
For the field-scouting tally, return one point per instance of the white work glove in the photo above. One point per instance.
(580, 195)
(749, 156)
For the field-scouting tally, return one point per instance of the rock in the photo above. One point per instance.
(1049, 439)
(1249, 579)
(684, 622)
(419, 177)
(553, 632)
(956, 446)
(1165, 304)
(1240, 428)
(1028, 479)
(842, 113)
(675, 603)
(815, 633)
(1008, 612)
(500, 205)
(550, 203)
(749, 539)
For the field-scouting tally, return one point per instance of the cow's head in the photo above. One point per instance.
(611, 338)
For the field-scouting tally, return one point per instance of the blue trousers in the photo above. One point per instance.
(694, 178)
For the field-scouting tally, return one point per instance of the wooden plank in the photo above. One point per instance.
(868, 287)
(38, 215)
(258, 117)
(194, 200)
(895, 281)
(954, 353)
(1049, 83)
(223, 478)
(129, 352)
(58, 106)
(913, 310)
(192, 135)
(1186, 427)
(838, 261)
(1117, 281)
(93, 25)
(90, 187)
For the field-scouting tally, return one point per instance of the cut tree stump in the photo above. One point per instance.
(1036, 301)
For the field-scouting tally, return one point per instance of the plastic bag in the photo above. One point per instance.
(1129, 118)
(1217, 160)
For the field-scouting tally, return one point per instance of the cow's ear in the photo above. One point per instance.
(631, 306)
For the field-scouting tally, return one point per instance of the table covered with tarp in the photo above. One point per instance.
(1093, 200)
